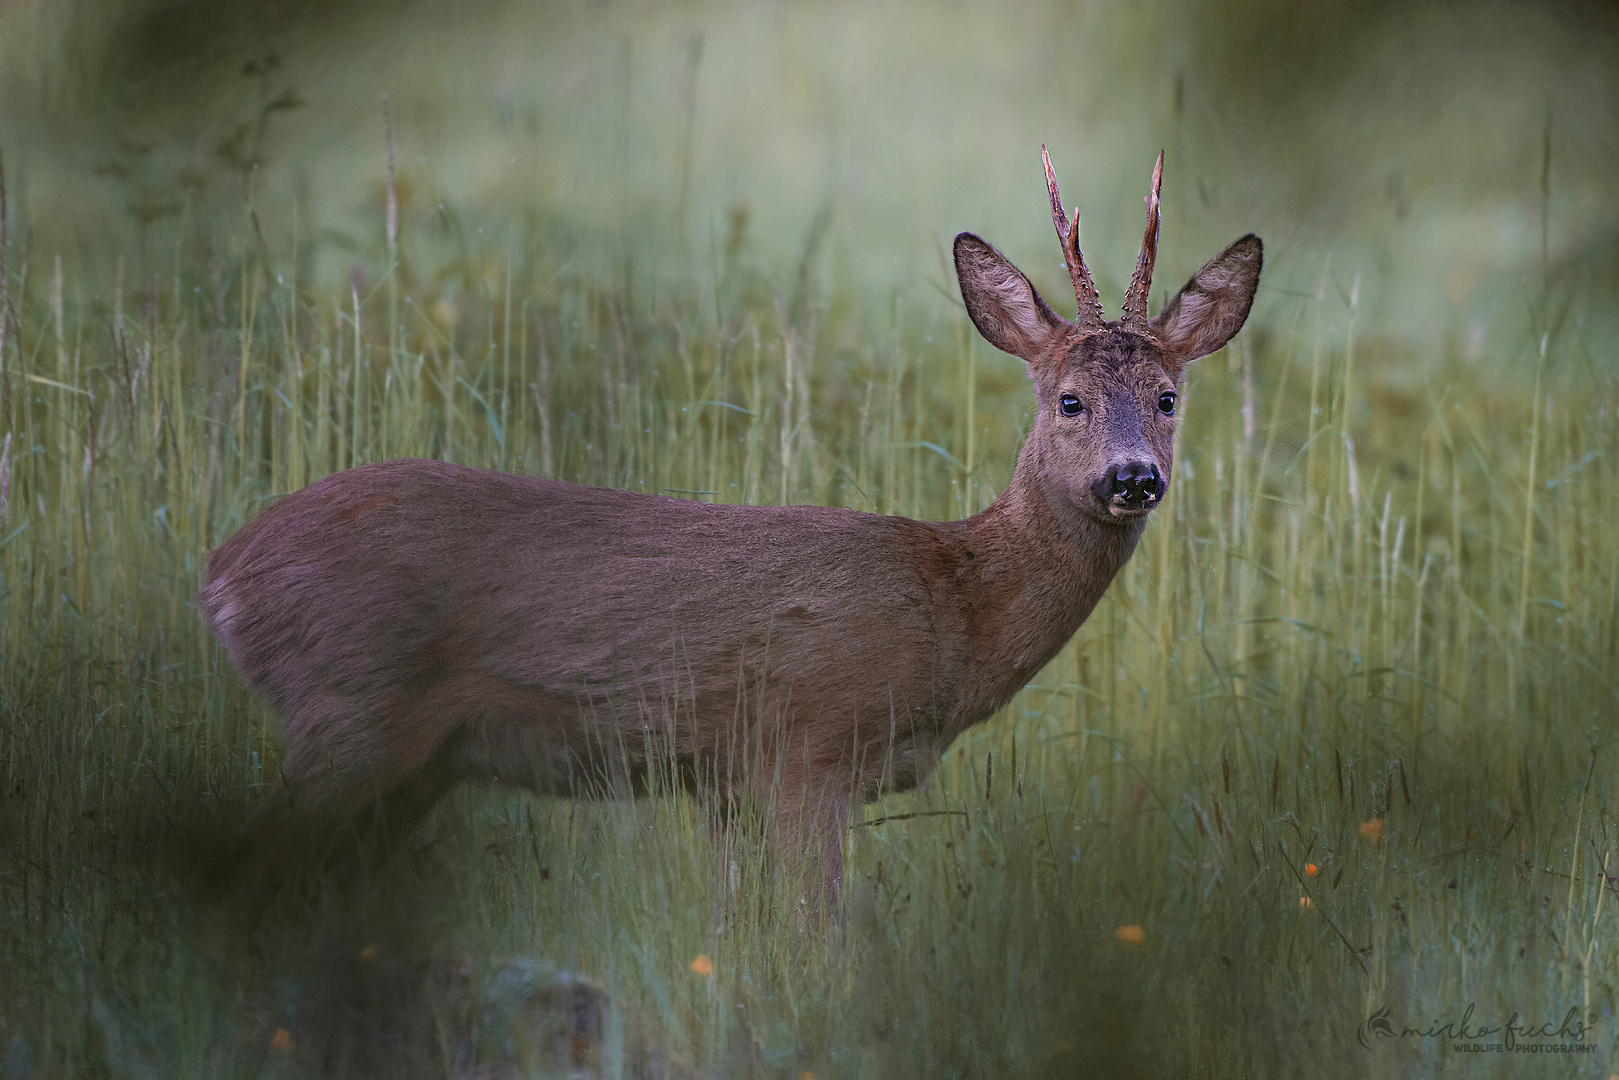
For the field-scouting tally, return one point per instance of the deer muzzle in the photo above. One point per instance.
(1130, 489)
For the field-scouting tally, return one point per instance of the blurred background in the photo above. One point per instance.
(1338, 739)
(1437, 150)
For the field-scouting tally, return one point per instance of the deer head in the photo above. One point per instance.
(1106, 391)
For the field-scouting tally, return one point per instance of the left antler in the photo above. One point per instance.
(1135, 301)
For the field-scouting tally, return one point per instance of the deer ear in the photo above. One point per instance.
(1212, 307)
(1002, 303)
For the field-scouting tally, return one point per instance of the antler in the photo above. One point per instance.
(1135, 301)
(1090, 305)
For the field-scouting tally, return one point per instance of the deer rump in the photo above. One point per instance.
(415, 623)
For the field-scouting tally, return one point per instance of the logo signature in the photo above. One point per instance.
(1375, 1026)
(1571, 1035)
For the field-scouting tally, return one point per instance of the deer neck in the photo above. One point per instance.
(1039, 566)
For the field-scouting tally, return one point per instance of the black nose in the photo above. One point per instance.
(1133, 486)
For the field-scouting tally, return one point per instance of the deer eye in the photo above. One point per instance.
(1166, 403)
(1070, 405)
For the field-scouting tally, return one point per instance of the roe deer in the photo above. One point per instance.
(415, 623)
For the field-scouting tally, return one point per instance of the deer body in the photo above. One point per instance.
(865, 643)
(415, 623)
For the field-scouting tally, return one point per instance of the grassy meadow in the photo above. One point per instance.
(1338, 745)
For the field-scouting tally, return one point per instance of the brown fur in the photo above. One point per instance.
(415, 623)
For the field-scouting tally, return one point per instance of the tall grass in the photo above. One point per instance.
(1338, 739)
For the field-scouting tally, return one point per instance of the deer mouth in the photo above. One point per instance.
(1124, 509)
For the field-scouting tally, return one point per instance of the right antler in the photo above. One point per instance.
(1090, 305)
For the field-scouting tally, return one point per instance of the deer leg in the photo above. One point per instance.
(809, 828)
(405, 805)
(340, 760)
